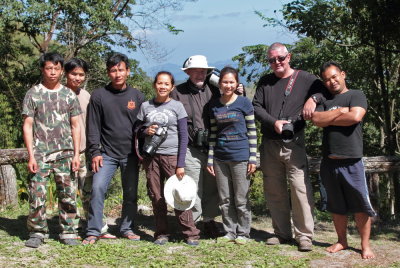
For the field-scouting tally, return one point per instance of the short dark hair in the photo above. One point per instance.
(117, 59)
(53, 57)
(76, 63)
(328, 64)
(229, 70)
(166, 73)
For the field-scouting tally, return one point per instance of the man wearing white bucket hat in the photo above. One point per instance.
(195, 94)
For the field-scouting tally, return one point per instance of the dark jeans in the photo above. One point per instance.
(101, 180)
(158, 169)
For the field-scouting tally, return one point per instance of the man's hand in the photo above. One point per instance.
(32, 165)
(240, 89)
(308, 109)
(279, 124)
(180, 172)
(97, 163)
(75, 163)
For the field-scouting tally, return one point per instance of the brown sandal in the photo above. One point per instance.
(90, 240)
(131, 236)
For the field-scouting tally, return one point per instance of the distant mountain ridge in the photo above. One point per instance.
(181, 76)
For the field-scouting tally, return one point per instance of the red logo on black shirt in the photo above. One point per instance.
(131, 105)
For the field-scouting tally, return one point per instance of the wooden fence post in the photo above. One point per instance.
(8, 186)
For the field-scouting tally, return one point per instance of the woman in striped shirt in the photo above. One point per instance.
(232, 155)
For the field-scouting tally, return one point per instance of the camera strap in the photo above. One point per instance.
(288, 90)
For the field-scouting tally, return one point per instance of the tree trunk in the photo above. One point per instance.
(396, 189)
(8, 186)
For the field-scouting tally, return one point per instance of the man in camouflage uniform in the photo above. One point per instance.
(52, 137)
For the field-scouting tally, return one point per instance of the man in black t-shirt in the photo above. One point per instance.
(283, 161)
(342, 170)
(112, 116)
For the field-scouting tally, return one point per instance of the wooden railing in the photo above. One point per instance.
(373, 167)
(374, 164)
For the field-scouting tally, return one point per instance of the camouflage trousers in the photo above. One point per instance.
(66, 193)
(85, 181)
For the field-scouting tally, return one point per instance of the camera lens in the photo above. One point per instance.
(287, 132)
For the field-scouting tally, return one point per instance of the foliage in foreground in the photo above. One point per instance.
(124, 253)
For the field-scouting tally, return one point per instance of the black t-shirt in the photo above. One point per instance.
(270, 95)
(343, 141)
(112, 115)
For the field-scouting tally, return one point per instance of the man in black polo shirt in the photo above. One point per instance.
(342, 170)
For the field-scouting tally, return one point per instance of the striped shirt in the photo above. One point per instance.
(233, 132)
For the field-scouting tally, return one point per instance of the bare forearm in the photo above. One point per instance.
(347, 119)
(76, 134)
(326, 118)
(28, 136)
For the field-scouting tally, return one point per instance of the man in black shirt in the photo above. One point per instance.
(112, 114)
(283, 100)
(342, 170)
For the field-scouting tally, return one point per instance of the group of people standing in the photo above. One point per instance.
(205, 133)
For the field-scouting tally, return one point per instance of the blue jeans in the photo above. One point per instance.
(101, 180)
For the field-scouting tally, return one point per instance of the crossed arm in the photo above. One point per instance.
(343, 116)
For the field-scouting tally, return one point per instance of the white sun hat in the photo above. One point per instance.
(196, 61)
(180, 194)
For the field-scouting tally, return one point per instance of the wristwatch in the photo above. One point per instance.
(315, 99)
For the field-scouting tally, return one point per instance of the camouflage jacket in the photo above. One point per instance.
(51, 111)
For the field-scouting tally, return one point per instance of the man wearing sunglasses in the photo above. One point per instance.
(284, 99)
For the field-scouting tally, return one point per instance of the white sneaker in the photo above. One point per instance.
(241, 240)
(226, 238)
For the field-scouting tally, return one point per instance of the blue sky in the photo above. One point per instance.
(217, 29)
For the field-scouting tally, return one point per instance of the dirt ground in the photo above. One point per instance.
(385, 241)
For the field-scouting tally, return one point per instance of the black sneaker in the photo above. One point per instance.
(34, 241)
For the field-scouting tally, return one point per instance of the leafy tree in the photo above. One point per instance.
(364, 37)
(88, 29)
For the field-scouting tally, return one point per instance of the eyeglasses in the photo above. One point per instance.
(279, 59)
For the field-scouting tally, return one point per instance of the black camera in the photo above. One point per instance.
(151, 147)
(288, 128)
(287, 132)
(201, 137)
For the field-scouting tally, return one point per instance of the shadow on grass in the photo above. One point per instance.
(15, 227)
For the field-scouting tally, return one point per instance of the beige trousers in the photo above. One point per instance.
(284, 163)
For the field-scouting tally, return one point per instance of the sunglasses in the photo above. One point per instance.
(279, 59)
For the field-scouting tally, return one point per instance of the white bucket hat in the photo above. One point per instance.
(196, 61)
(180, 194)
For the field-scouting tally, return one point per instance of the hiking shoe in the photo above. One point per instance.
(241, 240)
(70, 241)
(276, 240)
(226, 238)
(161, 240)
(305, 245)
(192, 242)
(34, 241)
